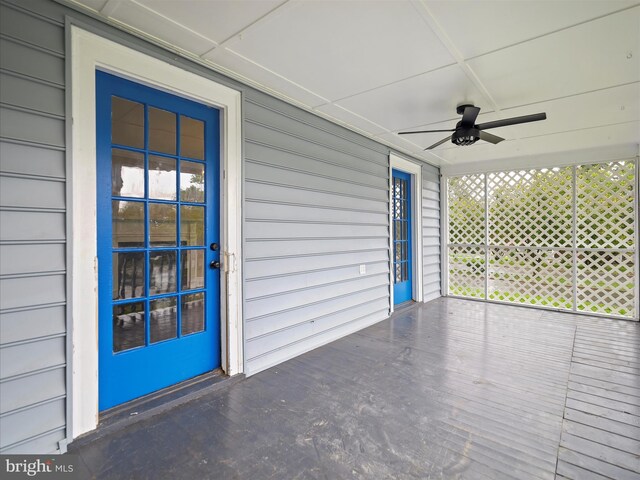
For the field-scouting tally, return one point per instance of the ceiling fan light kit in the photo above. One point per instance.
(468, 133)
(465, 137)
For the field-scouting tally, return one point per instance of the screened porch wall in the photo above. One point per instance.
(562, 237)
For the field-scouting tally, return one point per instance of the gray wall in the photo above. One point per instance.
(32, 231)
(315, 209)
(430, 232)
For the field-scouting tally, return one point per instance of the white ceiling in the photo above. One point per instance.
(383, 66)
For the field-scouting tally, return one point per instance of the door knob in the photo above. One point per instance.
(214, 264)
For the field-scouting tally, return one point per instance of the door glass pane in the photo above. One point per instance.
(163, 319)
(127, 123)
(128, 326)
(127, 173)
(127, 224)
(162, 224)
(162, 272)
(162, 178)
(192, 313)
(162, 131)
(192, 269)
(191, 225)
(128, 275)
(191, 138)
(191, 182)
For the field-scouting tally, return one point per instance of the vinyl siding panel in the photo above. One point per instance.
(32, 160)
(32, 230)
(18, 326)
(23, 59)
(430, 233)
(316, 208)
(24, 425)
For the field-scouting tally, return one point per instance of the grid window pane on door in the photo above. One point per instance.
(401, 219)
(159, 214)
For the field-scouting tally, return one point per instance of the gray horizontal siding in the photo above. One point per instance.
(430, 233)
(316, 208)
(32, 231)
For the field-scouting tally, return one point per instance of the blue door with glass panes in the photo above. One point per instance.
(158, 235)
(402, 261)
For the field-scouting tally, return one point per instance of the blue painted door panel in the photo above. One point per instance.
(158, 216)
(402, 228)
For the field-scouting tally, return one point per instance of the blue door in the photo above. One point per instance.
(158, 235)
(402, 262)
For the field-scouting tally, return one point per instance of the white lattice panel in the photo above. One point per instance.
(535, 209)
(531, 276)
(531, 208)
(466, 200)
(606, 282)
(466, 271)
(605, 208)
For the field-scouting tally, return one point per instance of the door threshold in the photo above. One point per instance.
(155, 403)
(404, 305)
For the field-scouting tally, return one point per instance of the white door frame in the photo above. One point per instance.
(88, 53)
(399, 163)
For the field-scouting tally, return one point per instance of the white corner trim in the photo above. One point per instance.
(399, 163)
(89, 52)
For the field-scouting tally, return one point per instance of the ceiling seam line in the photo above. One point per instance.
(439, 31)
(568, 27)
(246, 28)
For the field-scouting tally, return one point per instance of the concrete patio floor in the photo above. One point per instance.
(448, 389)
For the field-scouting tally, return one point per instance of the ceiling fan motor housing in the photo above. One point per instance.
(466, 136)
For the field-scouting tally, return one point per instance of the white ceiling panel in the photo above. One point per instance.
(594, 109)
(420, 100)
(595, 55)
(252, 73)
(219, 19)
(382, 66)
(350, 118)
(338, 48)
(493, 24)
(163, 28)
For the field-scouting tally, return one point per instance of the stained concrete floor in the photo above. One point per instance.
(449, 389)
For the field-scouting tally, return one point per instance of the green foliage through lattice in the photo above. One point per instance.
(532, 249)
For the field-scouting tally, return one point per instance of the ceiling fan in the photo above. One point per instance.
(468, 133)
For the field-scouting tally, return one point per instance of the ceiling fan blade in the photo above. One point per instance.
(469, 116)
(512, 121)
(444, 140)
(426, 131)
(487, 137)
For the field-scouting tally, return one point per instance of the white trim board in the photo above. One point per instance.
(88, 53)
(399, 163)
(547, 160)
